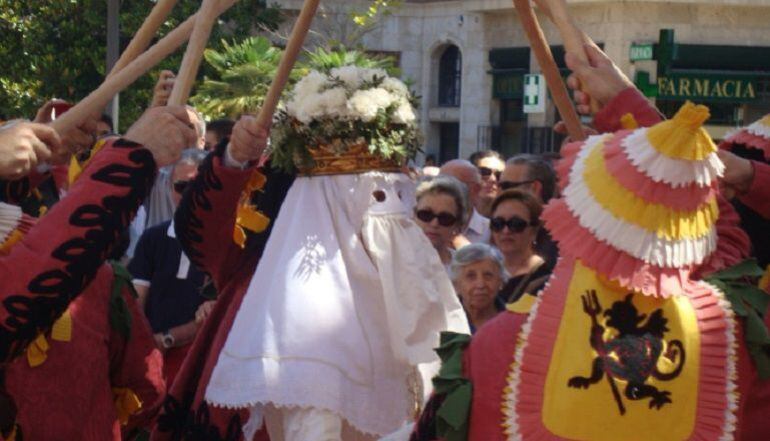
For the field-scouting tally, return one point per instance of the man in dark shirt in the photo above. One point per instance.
(170, 288)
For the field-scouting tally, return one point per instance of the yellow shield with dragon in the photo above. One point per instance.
(600, 363)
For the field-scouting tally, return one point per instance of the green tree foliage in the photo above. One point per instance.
(241, 77)
(242, 73)
(56, 48)
(324, 60)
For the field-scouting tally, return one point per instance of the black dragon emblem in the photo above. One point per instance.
(632, 355)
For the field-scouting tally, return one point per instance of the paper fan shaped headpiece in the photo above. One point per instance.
(639, 206)
(755, 136)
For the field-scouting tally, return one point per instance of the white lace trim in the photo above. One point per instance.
(510, 395)
(731, 420)
(358, 405)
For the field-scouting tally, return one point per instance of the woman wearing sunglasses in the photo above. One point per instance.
(441, 213)
(514, 225)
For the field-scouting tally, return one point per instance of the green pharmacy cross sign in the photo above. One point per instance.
(690, 85)
(534, 93)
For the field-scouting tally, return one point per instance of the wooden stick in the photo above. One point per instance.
(145, 34)
(188, 70)
(574, 38)
(552, 77)
(297, 39)
(99, 98)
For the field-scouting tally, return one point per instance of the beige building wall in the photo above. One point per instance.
(420, 30)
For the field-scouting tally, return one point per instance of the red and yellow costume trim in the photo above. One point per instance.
(621, 339)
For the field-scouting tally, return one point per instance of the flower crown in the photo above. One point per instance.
(338, 112)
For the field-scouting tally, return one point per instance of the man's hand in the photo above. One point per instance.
(739, 174)
(248, 140)
(599, 79)
(164, 131)
(163, 88)
(204, 311)
(23, 145)
(77, 140)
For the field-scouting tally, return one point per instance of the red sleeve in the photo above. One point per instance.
(733, 244)
(60, 256)
(758, 196)
(631, 101)
(205, 218)
(136, 364)
(487, 363)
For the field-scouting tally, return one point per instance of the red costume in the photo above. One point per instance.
(509, 403)
(93, 376)
(210, 206)
(68, 246)
(43, 273)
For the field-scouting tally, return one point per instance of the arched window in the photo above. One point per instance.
(450, 73)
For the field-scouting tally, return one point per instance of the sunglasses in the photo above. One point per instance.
(444, 219)
(487, 172)
(507, 185)
(514, 224)
(181, 186)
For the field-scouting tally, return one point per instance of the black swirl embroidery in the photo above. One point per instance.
(53, 288)
(189, 227)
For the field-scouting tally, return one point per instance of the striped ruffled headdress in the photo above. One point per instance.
(639, 206)
(754, 136)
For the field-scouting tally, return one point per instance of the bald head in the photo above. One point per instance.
(465, 172)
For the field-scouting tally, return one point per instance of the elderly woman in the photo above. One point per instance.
(514, 224)
(478, 274)
(441, 212)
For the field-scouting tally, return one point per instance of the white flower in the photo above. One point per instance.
(308, 109)
(365, 104)
(335, 102)
(404, 113)
(350, 75)
(395, 86)
(310, 84)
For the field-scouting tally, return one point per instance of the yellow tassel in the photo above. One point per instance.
(764, 282)
(246, 216)
(239, 236)
(74, 172)
(37, 351)
(628, 122)
(683, 136)
(251, 219)
(62, 328)
(13, 238)
(765, 121)
(127, 403)
(256, 182)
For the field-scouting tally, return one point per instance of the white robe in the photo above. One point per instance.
(348, 298)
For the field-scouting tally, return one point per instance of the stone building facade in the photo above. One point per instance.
(467, 60)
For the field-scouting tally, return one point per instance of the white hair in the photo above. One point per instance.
(476, 252)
